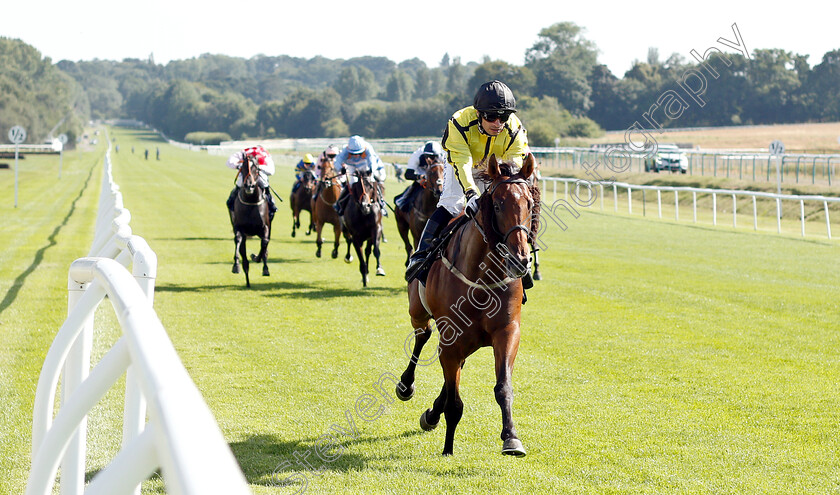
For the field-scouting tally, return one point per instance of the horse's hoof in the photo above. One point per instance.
(235, 269)
(424, 423)
(317, 254)
(364, 281)
(334, 254)
(254, 258)
(537, 276)
(407, 395)
(265, 272)
(348, 259)
(380, 272)
(293, 233)
(513, 446)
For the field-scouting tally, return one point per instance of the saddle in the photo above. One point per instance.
(440, 243)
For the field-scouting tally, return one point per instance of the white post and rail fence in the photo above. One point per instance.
(181, 437)
(573, 192)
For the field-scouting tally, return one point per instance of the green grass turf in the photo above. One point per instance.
(655, 358)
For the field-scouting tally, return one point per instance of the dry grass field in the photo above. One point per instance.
(798, 138)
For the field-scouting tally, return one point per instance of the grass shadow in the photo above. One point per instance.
(267, 460)
(282, 289)
(11, 295)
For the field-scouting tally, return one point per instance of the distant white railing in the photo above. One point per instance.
(181, 436)
(588, 199)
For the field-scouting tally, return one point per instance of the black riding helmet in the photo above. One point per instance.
(494, 96)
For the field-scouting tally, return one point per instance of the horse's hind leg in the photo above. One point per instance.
(264, 255)
(505, 347)
(363, 261)
(454, 406)
(379, 270)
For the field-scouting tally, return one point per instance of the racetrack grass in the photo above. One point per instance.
(51, 227)
(655, 357)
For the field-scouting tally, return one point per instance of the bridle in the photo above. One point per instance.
(515, 228)
(248, 177)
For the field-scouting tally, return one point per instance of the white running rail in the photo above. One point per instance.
(181, 436)
(589, 197)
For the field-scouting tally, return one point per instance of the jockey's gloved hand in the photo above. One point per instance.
(472, 204)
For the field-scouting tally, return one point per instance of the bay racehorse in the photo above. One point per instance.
(422, 207)
(326, 194)
(362, 223)
(301, 199)
(250, 218)
(474, 294)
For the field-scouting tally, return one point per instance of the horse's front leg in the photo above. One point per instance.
(422, 333)
(244, 254)
(237, 240)
(363, 260)
(380, 272)
(505, 347)
(264, 252)
(319, 241)
(311, 223)
(337, 233)
(295, 222)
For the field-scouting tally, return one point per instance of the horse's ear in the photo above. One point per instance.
(527, 166)
(493, 167)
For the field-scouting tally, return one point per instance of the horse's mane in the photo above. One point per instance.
(485, 204)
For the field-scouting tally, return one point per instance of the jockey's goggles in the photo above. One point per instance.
(493, 116)
(331, 156)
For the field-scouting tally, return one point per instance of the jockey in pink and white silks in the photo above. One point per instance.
(266, 166)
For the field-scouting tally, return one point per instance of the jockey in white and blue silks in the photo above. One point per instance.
(358, 156)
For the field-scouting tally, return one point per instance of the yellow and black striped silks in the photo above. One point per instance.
(467, 146)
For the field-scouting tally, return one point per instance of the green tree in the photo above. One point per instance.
(562, 59)
(400, 87)
(520, 79)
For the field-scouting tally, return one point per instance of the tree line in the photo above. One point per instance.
(562, 91)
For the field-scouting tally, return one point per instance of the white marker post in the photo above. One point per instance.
(777, 148)
(62, 140)
(17, 135)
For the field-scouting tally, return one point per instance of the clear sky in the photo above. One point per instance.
(623, 31)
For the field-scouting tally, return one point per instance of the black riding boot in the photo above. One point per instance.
(272, 208)
(339, 203)
(439, 219)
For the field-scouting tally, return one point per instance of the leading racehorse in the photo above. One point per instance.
(474, 293)
(329, 188)
(362, 223)
(422, 207)
(250, 218)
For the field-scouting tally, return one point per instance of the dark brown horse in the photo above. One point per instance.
(301, 200)
(362, 223)
(329, 188)
(423, 206)
(250, 218)
(474, 294)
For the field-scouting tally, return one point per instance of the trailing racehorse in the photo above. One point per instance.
(474, 294)
(362, 223)
(329, 188)
(250, 218)
(422, 207)
(301, 199)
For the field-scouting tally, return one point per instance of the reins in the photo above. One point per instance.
(507, 280)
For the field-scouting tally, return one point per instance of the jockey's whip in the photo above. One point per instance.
(275, 193)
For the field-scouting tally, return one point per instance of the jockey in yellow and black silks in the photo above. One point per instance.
(488, 127)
